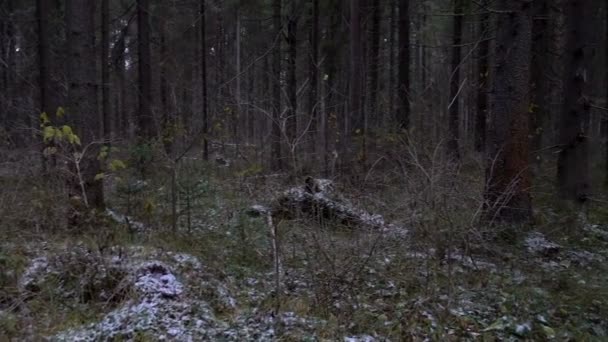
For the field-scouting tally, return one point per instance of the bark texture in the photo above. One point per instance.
(573, 162)
(83, 112)
(507, 168)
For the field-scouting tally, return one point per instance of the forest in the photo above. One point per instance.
(303, 170)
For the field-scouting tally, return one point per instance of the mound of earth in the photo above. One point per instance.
(153, 295)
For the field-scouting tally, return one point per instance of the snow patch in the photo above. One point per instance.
(537, 243)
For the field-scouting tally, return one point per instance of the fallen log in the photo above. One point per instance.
(318, 200)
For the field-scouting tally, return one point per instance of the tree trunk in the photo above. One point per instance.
(605, 120)
(7, 117)
(573, 162)
(145, 119)
(82, 96)
(540, 90)
(238, 100)
(482, 83)
(374, 61)
(454, 120)
(332, 54)
(118, 57)
(291, 124)
(391, 58)
(313, 74)
(507, 169)
(204, 99)
(275, 144)
(44, 55)
(355, 124)
(166, 117)
(404, 65)
(105, 69)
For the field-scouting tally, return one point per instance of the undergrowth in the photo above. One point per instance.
(451, 278)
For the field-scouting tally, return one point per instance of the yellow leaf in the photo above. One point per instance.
(73, 139)
(60, 112)
(67, 130)
(117, 164)
(44, 119)
(48, 133)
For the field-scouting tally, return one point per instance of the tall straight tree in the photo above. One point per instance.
(292, 86)
(145, 120)
(332, 54)
(540, 85)
(404, 65)
(374, 63)
(44, 56)
(391, 55)
(454, 120)
(82, 96)
(313, 73)
(483, 70)
(275, 144)
(204, 99)
(507, 167)
(8, 40)
(105, 68)
(573, 162)
(355, 124)
(606, 99)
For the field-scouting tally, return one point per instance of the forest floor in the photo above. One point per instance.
(449, 278)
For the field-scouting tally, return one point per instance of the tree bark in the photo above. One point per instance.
(332, 55)
(355, 124)
(291, 124)
(44, 56)
(145, 119)
(404, 65)
(482, 83)
(8, 69)
(204, 98)
(540, 90)
(166, 117)
(275, 145)
(573, 161)
(605, 120)
(507, 167)
(313, 74)
(105, 69)
(237, 114)
(118, 58)
(82, 95)
(391, 57)
(373, 66)
(454, 120)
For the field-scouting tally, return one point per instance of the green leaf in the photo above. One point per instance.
(48, 133)
(67, 130)
(70, 135)
(60, 112)
(44, 119)
(117, 164)
(100, 176)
